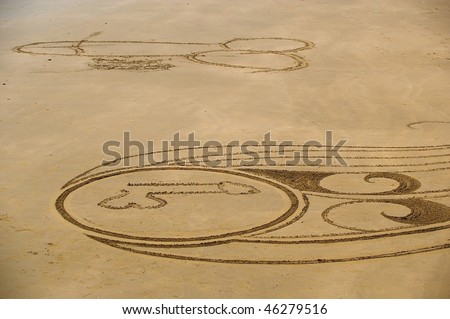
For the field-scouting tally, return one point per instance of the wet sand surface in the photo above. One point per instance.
(75, 74)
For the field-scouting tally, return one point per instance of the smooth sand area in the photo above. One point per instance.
(76, 74)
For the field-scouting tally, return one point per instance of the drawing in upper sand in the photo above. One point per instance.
(266, 54)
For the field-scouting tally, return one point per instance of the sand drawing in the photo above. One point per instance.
(266, 54)
(225, 187)
(269, 214)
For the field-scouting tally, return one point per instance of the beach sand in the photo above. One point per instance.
(76, 74)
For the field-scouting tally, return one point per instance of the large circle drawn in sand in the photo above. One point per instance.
(176, 204)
